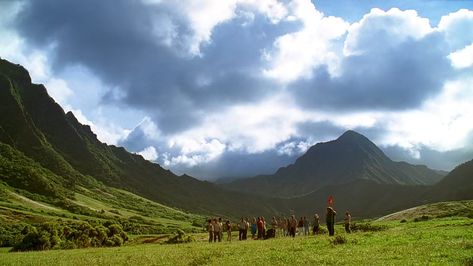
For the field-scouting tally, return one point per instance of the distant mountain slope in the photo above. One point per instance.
(457, 185)
(434, 210)
(33, 124)
(350, 157)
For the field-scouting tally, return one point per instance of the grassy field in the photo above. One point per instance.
(443, 241)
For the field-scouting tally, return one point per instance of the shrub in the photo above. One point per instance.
(74, 235)
(180, 237)
(421, 219)
(340, 239)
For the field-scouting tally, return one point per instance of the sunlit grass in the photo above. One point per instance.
(447, 241)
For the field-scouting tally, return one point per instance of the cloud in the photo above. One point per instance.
(462, 58)
(295, 54)
(149, 153)
(242, 87)
(388, 66)
(458, 28)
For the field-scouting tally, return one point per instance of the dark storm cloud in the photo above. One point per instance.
(115, 40)
(386, 77)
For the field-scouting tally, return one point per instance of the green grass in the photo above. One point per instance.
(102, 204)
(435, 210)
(445, 241)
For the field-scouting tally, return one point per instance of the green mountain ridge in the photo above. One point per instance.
(349, 158)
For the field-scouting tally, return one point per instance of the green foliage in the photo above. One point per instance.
(72, 235)
(10, 233)
(421, 218)
(339, 239)
(180, 237)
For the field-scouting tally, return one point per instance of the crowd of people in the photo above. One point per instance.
(277, 226)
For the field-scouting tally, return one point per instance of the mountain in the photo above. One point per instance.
(457, 185)
(66, 156)
(350, 157)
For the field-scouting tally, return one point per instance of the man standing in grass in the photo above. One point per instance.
(217, 230)
(330, 219)
(347, 221)
(292, 226)
(315, 225)
(241, 229)
(210, 229)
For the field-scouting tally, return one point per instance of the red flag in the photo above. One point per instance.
(330, 200)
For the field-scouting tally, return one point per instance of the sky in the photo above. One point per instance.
(237, 88)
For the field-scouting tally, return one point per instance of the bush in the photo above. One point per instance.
(340, 239)
(180, 237)
(421, 219)
(52, 235)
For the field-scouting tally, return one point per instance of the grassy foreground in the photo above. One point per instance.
(446, 241)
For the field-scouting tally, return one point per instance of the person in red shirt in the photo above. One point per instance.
(260, 226)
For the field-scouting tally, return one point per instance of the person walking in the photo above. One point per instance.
(330, 219)
(347, 221)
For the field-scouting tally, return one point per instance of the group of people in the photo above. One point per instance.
(260, 229)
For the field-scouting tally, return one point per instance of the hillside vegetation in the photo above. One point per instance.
(435, 210)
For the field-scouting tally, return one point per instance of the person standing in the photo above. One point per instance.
(292, 226)
(300, 226)
(210, 229)
(247, 225)
(316, 224)
(217, 231)
(330, 219)
(241, 229)
(347, 221)
(220, 222)
(306, 226)
(260, 226)
(229, 230)
(254, 228)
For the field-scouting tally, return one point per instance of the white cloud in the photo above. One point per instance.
(458, 28)
(59, 90)
(106, 131)
(149, 153)
(376, 26)
(442, 124)
(296, 54)
(462, 58)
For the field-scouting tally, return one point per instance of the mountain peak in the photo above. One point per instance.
(351, 135)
